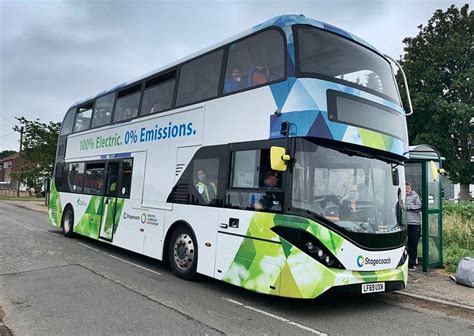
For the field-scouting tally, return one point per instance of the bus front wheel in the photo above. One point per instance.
(68, 222)
(182, 253)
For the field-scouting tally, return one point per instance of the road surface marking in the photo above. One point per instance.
(276, 317)
(123, 260)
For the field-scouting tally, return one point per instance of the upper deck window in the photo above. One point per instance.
(199, 79)
(83, 118)
(68, 122)
(103, 110)
(158, 94)
(255, 61)
(330, 56)
(127, 103)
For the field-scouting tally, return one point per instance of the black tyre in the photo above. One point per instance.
(182, 253)
(67, 222)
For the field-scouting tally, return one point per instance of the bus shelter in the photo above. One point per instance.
(423, 170)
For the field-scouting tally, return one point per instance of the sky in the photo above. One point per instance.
(56, 52)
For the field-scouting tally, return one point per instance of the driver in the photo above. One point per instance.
(348, 209)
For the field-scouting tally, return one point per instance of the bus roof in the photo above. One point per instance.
(283, 21)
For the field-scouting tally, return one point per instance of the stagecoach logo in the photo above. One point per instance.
(129, 216)
(361, 261)
(143, 218)
(81, 202)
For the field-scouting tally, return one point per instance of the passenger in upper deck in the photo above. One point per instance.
(235, 83)
(258, 75)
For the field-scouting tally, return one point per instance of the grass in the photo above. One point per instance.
(4, 197)
(458, 233)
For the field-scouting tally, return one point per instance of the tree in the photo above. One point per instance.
(438, 63)
(373, 81)
(6, 153)
(38, 152)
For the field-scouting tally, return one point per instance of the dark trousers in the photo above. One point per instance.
(412, 245)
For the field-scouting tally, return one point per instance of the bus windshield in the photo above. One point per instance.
(323, 54)
(356, 193)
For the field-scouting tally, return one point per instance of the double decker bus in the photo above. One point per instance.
(272, 161)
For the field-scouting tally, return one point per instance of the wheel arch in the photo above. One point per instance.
(169, 233)
(68, 205)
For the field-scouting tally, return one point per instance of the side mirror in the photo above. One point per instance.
(278, 158)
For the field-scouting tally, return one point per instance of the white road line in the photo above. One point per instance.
(123, 260)
(295, 324)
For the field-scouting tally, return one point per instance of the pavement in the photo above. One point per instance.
(52, 285)
(437, 286)
(30, 205)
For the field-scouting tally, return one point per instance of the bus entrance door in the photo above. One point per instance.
(109, 215)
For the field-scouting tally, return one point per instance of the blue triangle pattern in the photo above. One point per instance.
(337, 129)
(291, 60)
(280, 91)
(299, 99)
(320, 129)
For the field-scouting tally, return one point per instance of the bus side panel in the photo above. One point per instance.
(234, 118)
(160, 170)
(80, 204)
(249, 255)
(130, 221)
(55, 210)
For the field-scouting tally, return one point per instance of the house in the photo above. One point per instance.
(8, 167)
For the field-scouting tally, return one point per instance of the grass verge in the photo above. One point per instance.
(458, 233)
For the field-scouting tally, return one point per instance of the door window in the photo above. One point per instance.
(112, 179)
(126, 184)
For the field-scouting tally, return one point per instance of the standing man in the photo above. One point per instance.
(413, 204)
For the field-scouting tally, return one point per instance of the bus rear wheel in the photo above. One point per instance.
(67, 224)
(182, 253)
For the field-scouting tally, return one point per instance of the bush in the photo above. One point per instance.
(458, 233)
(465, 210)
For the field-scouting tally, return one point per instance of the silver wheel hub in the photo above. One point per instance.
(67, 221)
(184, 251)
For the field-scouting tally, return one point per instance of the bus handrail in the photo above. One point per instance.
(405, 83)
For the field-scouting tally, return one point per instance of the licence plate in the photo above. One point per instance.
(373, 287)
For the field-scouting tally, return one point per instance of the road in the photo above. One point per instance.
(52, 285)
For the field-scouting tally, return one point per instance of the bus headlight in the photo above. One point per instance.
(403, 258)
(309, 244)
(320, 254)
(329, 261)
(312, 248)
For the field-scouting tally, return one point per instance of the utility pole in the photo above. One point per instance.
(18, 182)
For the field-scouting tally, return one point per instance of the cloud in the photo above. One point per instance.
(56, 52)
